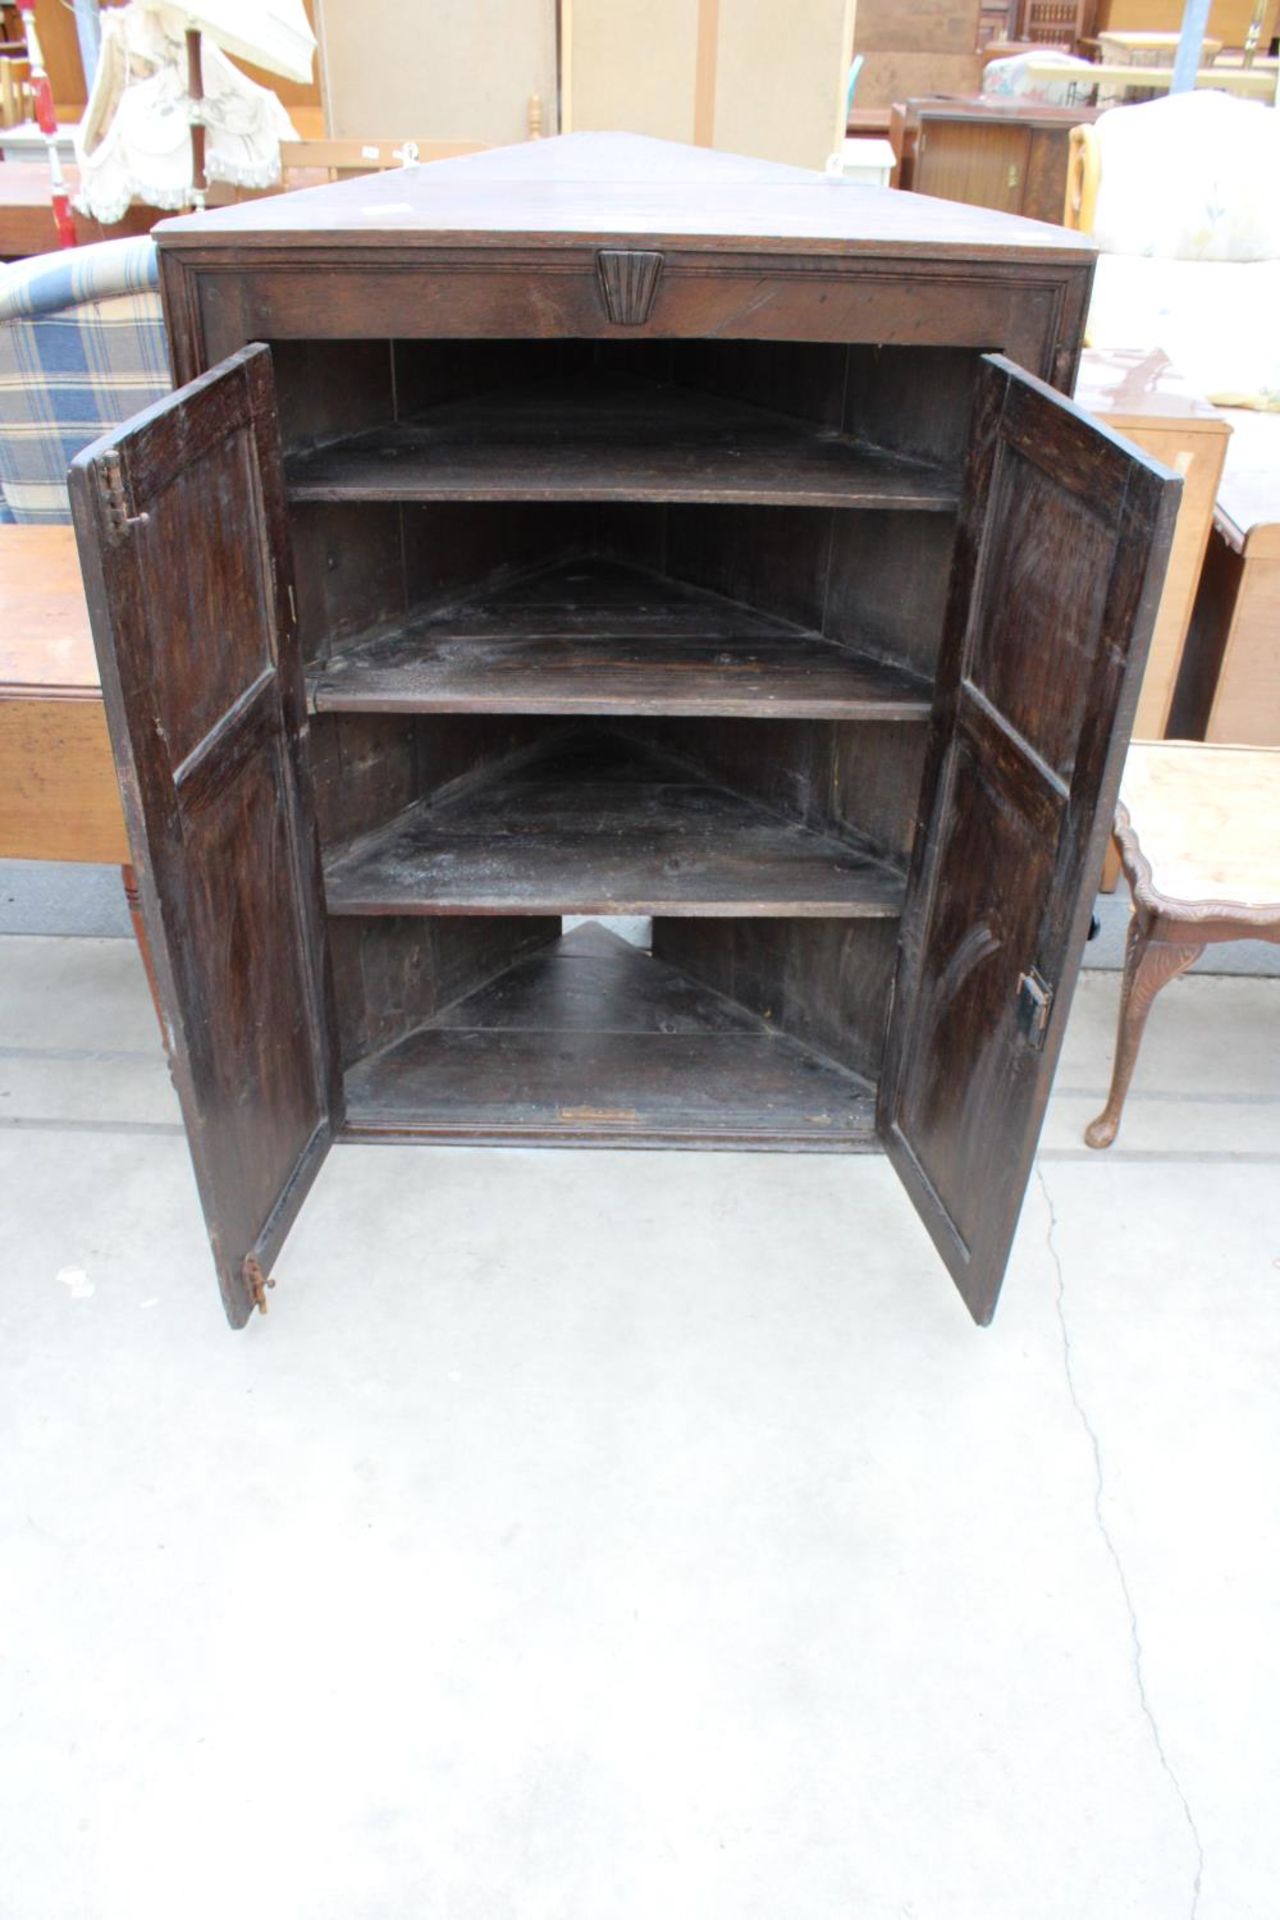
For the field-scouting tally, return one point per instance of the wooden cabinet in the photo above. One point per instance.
(1007, 154)
(604, 528)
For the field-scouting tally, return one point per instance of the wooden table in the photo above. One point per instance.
(58, 797)
(26, 213)
(58, 794)
(1199, 834)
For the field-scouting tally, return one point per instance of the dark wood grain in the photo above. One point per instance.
(827, 983)
(588, 636)
(391, 974)
(612, 188)
(772, 406)
(596, 1043)
(599, 824)
(600, 437)
(180, 519)
(1064, 535)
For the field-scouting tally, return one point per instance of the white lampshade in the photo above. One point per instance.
(134, 140)
(274, 34)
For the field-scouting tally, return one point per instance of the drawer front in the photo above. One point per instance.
(1033, 312)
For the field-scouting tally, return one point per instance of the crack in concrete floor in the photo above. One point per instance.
(1108, 1540)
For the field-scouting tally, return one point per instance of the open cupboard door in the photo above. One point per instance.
(1063, 539)
(181, 525)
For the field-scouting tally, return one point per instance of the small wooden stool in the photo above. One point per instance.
(1199, 835)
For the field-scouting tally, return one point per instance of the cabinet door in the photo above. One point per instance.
(181, 524)
(983, 163)
(1064, 534)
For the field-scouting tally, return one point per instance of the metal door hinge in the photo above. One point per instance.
(116, 501)
(257, 1282)
(1035, 1003)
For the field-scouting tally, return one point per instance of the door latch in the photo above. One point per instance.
(1035, 1003)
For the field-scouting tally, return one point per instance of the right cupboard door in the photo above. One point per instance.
(1063, 539)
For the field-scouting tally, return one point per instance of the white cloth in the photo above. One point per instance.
(1190, 177)
(134, 141)
(1216, 320)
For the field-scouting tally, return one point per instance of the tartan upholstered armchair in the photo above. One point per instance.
(82, 346)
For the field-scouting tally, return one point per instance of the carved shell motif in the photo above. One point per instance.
(629, 282)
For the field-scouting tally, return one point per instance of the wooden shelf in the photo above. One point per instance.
(592, 636)
(595, 1042)
(599, 437)
(593, 823)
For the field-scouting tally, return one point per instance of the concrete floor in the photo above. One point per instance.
(608, 1536)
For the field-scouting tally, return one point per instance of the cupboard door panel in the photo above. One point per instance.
(180, 520)
(1064, 536)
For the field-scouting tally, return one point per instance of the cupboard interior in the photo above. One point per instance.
(587, 684)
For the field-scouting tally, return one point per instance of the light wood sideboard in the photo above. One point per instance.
(1143, 396)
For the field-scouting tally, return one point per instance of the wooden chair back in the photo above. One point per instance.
(1084, 169)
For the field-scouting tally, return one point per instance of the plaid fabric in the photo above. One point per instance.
(82, 347)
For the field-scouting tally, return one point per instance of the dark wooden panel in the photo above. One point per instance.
(594, 1042)
(1044, 191)
(601, 438)
(886, 584)
(217, 590)
(429, 372)
(180, 518)
(824, 982)
(327, 389)
(1064, 535)
(1039, 534)
(1218, 591)
(597, 637)
(859, 777)
(775, 561)
(1033, 309)
(597, 824)
(349, 568)
(452, 547)
(365, 771)
(368, 767)
(806, 380)
(916, 401)
(391, 974)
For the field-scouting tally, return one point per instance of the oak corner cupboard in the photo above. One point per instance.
(606, 528)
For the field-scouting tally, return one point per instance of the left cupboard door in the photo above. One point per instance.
(180, 517)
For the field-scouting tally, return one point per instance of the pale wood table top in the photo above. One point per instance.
(45, 643)
(1207, 822)
(1142, 385)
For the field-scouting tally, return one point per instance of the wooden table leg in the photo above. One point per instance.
(1148, 965)
(144, 945)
